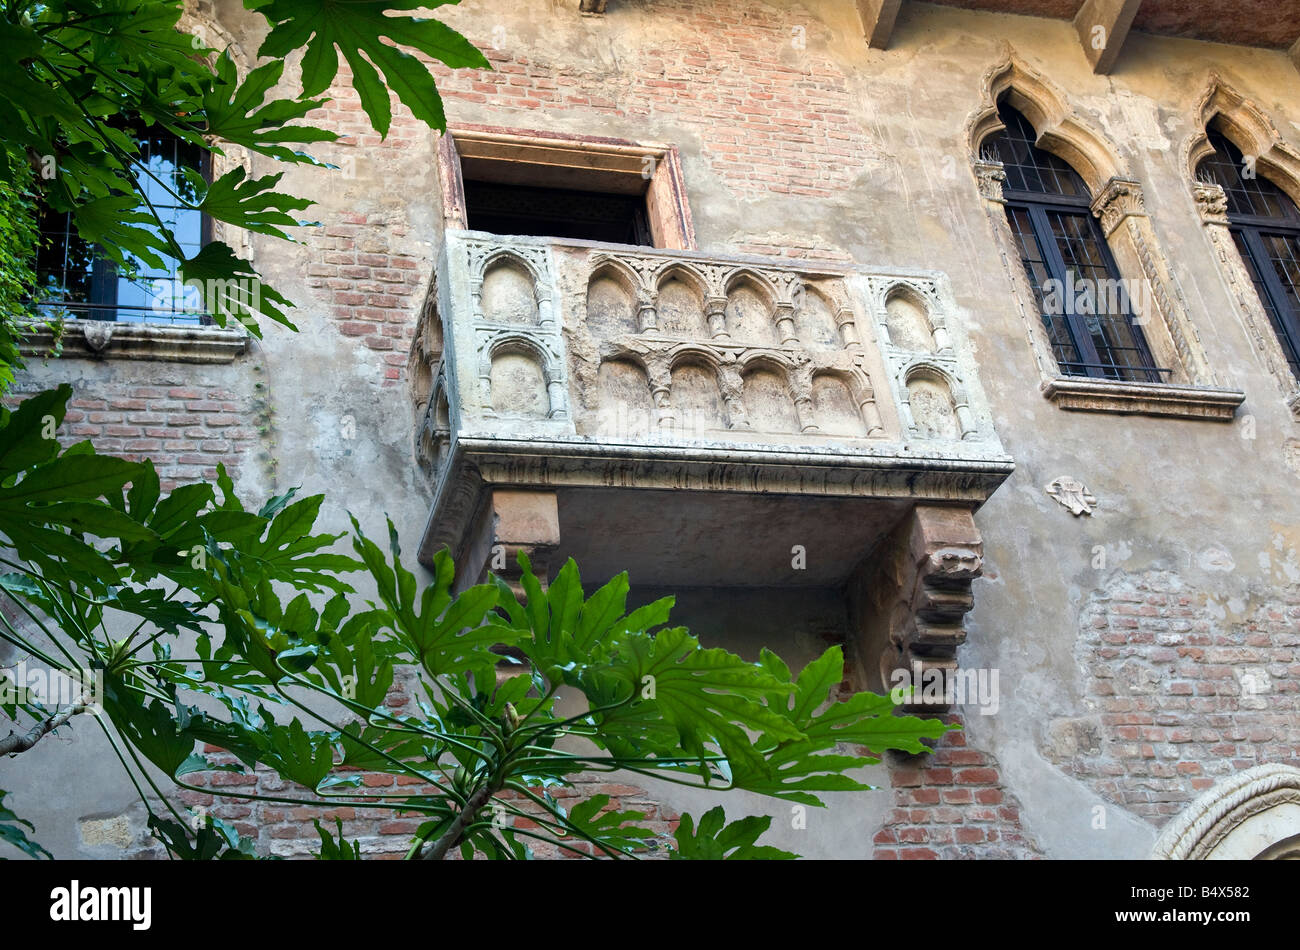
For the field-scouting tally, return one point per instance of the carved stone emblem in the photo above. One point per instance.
(98, 333)
(1073, 494)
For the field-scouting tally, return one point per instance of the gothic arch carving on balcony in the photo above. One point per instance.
(426, 349)
(774, 321)
(932, 379)
(499, 343)
(861, 394)
(1245, 816)
(639, 297)
(529, 261)
(435, 431)
(922, 297)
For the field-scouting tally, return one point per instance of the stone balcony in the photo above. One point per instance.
(695, 419)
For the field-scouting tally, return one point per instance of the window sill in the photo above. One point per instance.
(99, 339)
(1150, 399)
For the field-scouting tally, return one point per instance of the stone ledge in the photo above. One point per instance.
(479, 462)
(1149, 399)
(1293, 403)
(103, 339)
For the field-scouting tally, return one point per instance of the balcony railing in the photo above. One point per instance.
(554, 362)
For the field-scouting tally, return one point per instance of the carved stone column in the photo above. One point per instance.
(732, 388)
(715, 311)
(647, 314)
(871, 415)
(844, 318)
(801, 388)
(659, 373)
(785, 324)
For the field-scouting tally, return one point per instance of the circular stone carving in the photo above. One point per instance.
(1217, 819)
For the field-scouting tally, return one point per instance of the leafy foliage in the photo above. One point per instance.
(85, 78)
(11, 831)
(715, 840)
(358, 31)
(263, 592)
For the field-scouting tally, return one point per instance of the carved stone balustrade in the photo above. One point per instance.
(692, 399)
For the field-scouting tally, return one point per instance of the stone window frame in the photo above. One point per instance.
(164, 342)
(560, 157)
(1194, 391)
(1246, 125)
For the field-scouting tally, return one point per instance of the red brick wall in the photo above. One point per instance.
(1170, 669)
(769, 114)
(951, 804)
(185, 428)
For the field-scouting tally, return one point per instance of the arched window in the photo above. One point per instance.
(1265, 225)
(1084, 304)
(79, 282)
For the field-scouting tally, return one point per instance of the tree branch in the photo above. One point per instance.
(15, 742)
(452, 836)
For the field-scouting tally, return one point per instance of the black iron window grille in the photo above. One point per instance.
(1265, 225)
(1088, 310)
(75, 280)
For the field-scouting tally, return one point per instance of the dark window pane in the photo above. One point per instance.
(553, 212)
(1086, 309)
(1266, 228)
(1029, 168)
(78, 283)
(1249, 193)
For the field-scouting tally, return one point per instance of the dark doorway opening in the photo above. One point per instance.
(555, 212)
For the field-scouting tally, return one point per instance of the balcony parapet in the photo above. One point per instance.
(544, 362)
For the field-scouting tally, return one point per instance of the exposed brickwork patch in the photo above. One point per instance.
(770, 113)
(1186, 693)
(187, 429)
(951, 804)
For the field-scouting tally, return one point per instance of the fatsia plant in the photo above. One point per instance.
(83, 79)
(242, 636)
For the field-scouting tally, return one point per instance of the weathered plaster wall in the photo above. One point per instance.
(798, 140)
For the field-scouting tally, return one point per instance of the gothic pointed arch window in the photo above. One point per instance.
(1265, 226)
(1084, 304)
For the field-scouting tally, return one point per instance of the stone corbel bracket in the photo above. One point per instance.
(910, 599)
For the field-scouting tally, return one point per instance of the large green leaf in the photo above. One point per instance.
(232, 290)
(252, 204)
(715, 840)
(11, 833)
(238, 112)
(795, 769)
(23, 432)
(358, 29)
(445, 634)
